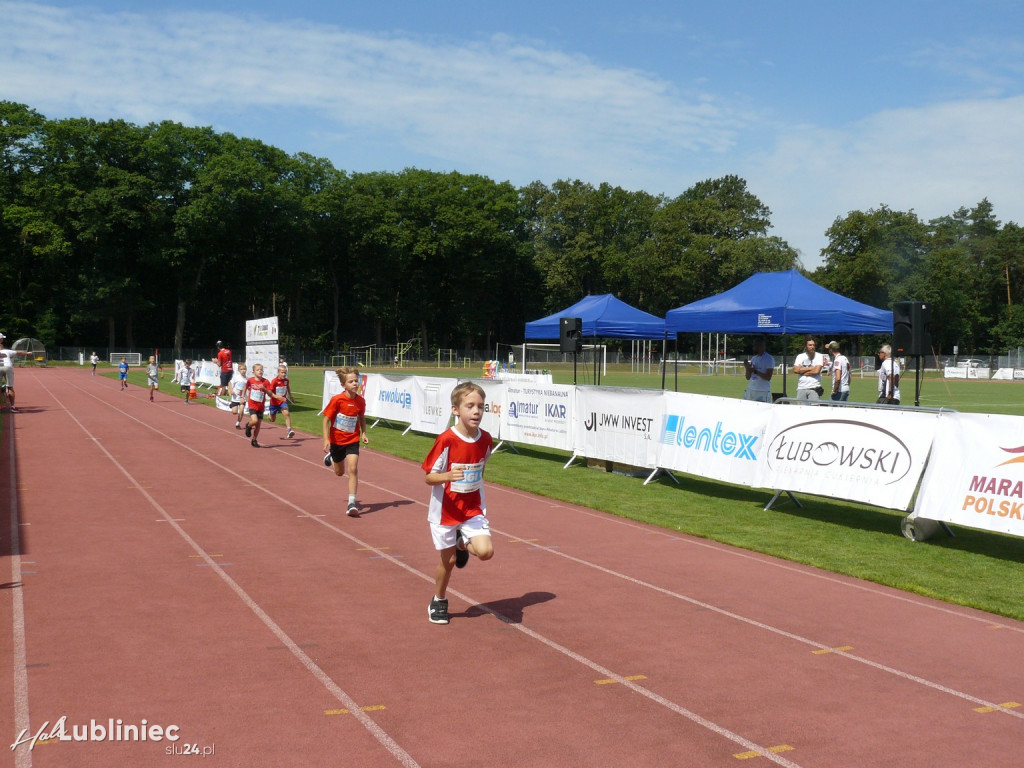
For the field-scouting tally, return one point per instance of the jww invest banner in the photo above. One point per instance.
(862, 454)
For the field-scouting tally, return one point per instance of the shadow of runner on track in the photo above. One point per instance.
(508, 610)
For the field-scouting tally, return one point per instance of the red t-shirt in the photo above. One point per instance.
(344, 413)
(258, 389)
(280, 386)
(224, 358)
(454, 503)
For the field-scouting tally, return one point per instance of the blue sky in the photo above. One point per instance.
(823, 107)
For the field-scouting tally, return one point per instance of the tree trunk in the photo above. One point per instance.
(179, 327)
(111, 341)
(424, 346)
(128, 331)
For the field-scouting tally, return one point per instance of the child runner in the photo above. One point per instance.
(94, 359)
(122, 374)
(152, 376)
(226, 369)
(257, 389)
(235, 387)
(185, 375)
(457, 510)
(283, 389)
(344, 421)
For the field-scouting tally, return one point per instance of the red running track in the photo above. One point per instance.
(158, 568)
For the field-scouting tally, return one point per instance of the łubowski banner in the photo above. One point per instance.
(975, 476)
(540, 414)
(712, 437)
(618, 424)
(862, 454)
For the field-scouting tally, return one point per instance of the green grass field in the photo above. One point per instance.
(975, 568)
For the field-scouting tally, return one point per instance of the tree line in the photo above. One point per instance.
(144, 236)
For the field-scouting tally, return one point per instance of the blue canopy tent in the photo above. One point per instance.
(605, 317)
(778, 304)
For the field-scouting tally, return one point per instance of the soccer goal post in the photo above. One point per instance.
(536, 355)
(132, 358)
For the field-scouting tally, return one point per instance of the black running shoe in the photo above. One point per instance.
(437, 612)
(328, 460)
(461, 553)
(253, 443)
(352, 511)
(248, 430)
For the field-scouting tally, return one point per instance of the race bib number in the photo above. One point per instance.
(472, 478)
(257, 395)
(344, 423)
(282, 391)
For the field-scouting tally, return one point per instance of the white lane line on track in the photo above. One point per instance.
(751, 622)
(23, 754)
(579, 658)
(335, 690)
(693, 601)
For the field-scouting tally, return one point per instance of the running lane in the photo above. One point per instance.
(172, 573)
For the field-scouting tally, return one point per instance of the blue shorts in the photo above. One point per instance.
(122, 376)
(273, 410)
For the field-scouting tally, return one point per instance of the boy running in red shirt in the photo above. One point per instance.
(344, 421)
(257, 389)
(458, 512)
(283, 389)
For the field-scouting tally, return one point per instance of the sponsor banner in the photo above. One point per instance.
(861, 454)
(208, 373)
(523, 378)
(266, 355)
(432, 404)
(714, 437)
(975, 475)
(261, 331)
(494, 403)
(332, 387)
(619, 424)
(1009, 374)
(538, 414)
(388, 397)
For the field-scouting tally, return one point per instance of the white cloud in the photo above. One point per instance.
(495, 105)
(931, 159)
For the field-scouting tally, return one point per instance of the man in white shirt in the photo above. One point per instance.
(888, 377)
(840, 373)
(759, 370)
(809, 364)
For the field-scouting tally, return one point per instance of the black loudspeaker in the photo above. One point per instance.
(910, 328)
(570, 334)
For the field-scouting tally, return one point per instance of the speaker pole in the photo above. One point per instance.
(917, 384)
(574, 356)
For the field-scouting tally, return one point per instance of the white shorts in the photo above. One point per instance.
(444, 535)
(8, 376)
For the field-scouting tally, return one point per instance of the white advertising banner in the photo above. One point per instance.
(862, 454)
(266, 355)
(618, 424)
(432, 404)
(714, 437)
(209, 373)
(539, 414)
(494, 403)
(332, 387)
(975, 475)
(261, 330)
(388, 397)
